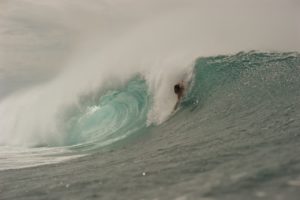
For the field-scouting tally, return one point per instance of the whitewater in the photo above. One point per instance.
(87, 100)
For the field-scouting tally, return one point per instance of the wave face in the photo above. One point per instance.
(244, 81)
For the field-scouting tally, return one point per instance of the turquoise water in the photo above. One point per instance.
(109, 117)
(235, 136)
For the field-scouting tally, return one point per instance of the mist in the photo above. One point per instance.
(43, 35)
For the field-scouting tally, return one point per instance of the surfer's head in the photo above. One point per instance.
(177, 88)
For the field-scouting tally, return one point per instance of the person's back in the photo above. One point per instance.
(179, 90)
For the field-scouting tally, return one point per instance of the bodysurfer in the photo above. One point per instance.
(179, 90)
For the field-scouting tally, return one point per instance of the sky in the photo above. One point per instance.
(38, 38)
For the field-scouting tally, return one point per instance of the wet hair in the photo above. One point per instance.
(177, 88)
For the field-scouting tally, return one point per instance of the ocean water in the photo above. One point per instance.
(236, 135)
(87, 99)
